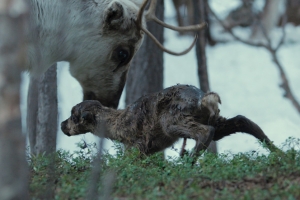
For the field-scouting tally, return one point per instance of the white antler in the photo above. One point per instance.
(150, 16)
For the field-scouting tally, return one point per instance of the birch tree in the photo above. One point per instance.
(200, 7)
(42, 112)
(146, 71)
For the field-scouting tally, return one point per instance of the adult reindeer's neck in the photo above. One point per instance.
(57, 30)
(45, 32)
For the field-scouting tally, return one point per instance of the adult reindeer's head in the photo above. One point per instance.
(103, 56)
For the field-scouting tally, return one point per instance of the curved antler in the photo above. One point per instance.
(167, 50)
(150, 15)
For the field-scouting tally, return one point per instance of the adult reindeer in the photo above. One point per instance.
(97, 37)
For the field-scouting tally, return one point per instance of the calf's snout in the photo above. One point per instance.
(64, 128)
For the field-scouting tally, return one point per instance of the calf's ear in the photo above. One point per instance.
(88, 117)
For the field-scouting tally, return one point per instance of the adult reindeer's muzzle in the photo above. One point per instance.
(111, 100)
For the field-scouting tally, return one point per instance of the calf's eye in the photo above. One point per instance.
(74, 119)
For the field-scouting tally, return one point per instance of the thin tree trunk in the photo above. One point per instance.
(211, 41)
(146, 72)
(42, 115)
(32, 112)
(199, 6)
(269, 19)
(13, 166)
(200, 9)
(47, 112)
(42, 112)
(46, 127)
(95, 177)
(292, 12)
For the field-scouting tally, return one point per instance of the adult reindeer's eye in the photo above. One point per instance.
(123, 55)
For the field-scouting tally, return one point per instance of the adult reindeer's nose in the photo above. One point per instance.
(89, 96)
(112, 101)
(114, 14)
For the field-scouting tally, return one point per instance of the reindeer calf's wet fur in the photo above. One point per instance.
(156, 121)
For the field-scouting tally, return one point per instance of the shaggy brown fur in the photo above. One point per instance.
(156, 121)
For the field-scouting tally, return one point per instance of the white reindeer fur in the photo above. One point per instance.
(74, 31)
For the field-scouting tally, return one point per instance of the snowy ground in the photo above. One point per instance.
(245, 77)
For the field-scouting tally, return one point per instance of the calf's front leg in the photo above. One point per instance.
(202, 134)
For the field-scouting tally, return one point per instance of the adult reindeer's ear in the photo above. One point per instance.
(114, 15)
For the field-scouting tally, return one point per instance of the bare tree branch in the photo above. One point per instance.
(229, 30)
(273, 51)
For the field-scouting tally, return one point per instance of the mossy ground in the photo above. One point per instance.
(221, 176)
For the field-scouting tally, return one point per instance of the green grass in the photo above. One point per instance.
(222, 176)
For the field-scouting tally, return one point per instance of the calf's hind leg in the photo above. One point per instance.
(225, 127)
(202, 134)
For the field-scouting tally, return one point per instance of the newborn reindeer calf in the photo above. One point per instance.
(156, 121)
